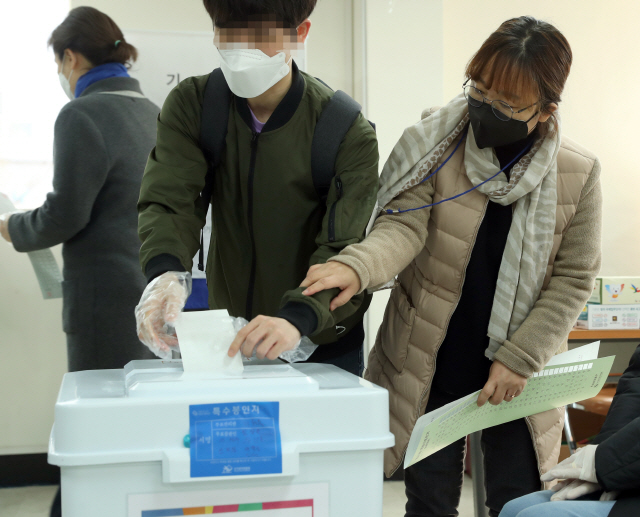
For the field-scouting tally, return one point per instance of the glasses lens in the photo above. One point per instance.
(502, 110)
(473, 95)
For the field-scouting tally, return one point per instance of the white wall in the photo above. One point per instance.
(404, 76)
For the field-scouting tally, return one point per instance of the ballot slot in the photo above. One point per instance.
(166, 378)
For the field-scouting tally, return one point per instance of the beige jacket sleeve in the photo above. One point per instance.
(574, 271)
(395, 239)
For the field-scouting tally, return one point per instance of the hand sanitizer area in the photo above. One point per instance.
(273, 439)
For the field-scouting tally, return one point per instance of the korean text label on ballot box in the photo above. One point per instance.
(569, 377)
(297, 440)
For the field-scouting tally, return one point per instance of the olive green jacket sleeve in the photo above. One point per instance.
(357, 171)
(170, 215)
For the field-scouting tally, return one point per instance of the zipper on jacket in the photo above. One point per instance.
(332, 211)
(252, 277)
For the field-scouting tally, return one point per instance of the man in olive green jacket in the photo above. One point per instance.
(269, 224)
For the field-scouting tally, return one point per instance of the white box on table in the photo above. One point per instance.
(118, 439)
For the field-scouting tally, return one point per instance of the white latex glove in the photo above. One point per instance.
(570, 489)
(579, 466)
(4, 225)
(160, 304)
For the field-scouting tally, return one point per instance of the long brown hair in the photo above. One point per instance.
(94, 35)
(524, 56)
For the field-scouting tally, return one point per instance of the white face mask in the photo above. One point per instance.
(250, 72)
(64, 81)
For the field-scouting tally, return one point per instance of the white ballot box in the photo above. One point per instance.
(275, 441)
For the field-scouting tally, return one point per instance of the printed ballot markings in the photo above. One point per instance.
(235, 439)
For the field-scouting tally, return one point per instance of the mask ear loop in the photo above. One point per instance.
(62, 68)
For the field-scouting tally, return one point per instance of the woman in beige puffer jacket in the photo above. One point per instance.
(433, 345)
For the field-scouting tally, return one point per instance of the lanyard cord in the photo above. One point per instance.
(525, 150)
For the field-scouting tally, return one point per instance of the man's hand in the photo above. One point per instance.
(328, 276)
(271, 336)
(4, 226)
(503, 384)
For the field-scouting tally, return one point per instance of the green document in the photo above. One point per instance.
(555, 386)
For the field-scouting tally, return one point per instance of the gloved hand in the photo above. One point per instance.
(579, 466)
(160, 304)
(4, 225)
(570, 489)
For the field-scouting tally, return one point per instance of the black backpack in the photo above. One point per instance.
(336, 118)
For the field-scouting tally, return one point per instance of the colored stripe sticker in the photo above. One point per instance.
(228, 508)
(250, 507)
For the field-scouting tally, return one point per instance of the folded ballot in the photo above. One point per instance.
(570, 377)
(205, 338)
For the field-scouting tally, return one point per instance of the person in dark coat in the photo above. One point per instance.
(601, 479)
(102, 139)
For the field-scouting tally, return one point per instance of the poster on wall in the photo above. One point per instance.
(263, 501)
(167, 57)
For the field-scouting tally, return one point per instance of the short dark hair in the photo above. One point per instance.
(290, 13)
(94, 35)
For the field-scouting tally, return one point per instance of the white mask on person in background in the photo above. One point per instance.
(64, 81)
(250, 72)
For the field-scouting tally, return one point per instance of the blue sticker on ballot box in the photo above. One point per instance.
(235, 439)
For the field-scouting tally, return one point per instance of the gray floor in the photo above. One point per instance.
(34, 501)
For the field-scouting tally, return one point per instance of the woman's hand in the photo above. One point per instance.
(327, 276)
(268, 336)
(503, 384)
(4, 226)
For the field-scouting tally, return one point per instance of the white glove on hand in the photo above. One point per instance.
(579, 466)
(4, 224)
(160, 304)
(570, 489)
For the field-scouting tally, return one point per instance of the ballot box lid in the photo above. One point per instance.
(141, 412)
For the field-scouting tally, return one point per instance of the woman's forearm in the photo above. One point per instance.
(394, 241)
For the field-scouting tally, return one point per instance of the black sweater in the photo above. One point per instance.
(461, 366)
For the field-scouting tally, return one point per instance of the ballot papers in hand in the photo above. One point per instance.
(575, 375)
(44, 263)
(205, 338)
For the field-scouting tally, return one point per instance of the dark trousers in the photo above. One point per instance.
(346, 353)
(433, 485)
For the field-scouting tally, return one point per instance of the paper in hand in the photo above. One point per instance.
(43, 262)
(205, 338)
(570, 377)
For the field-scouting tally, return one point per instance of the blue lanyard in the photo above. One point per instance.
(525, 150)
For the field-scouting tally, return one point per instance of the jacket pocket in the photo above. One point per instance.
(396, 327)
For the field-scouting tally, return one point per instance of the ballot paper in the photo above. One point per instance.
(43, 262)
(205, 338)
(569, 377)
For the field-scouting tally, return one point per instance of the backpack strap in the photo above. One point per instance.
(213, 132)
(334, 122)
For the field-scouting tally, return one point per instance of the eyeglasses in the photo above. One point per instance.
(500, 109)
